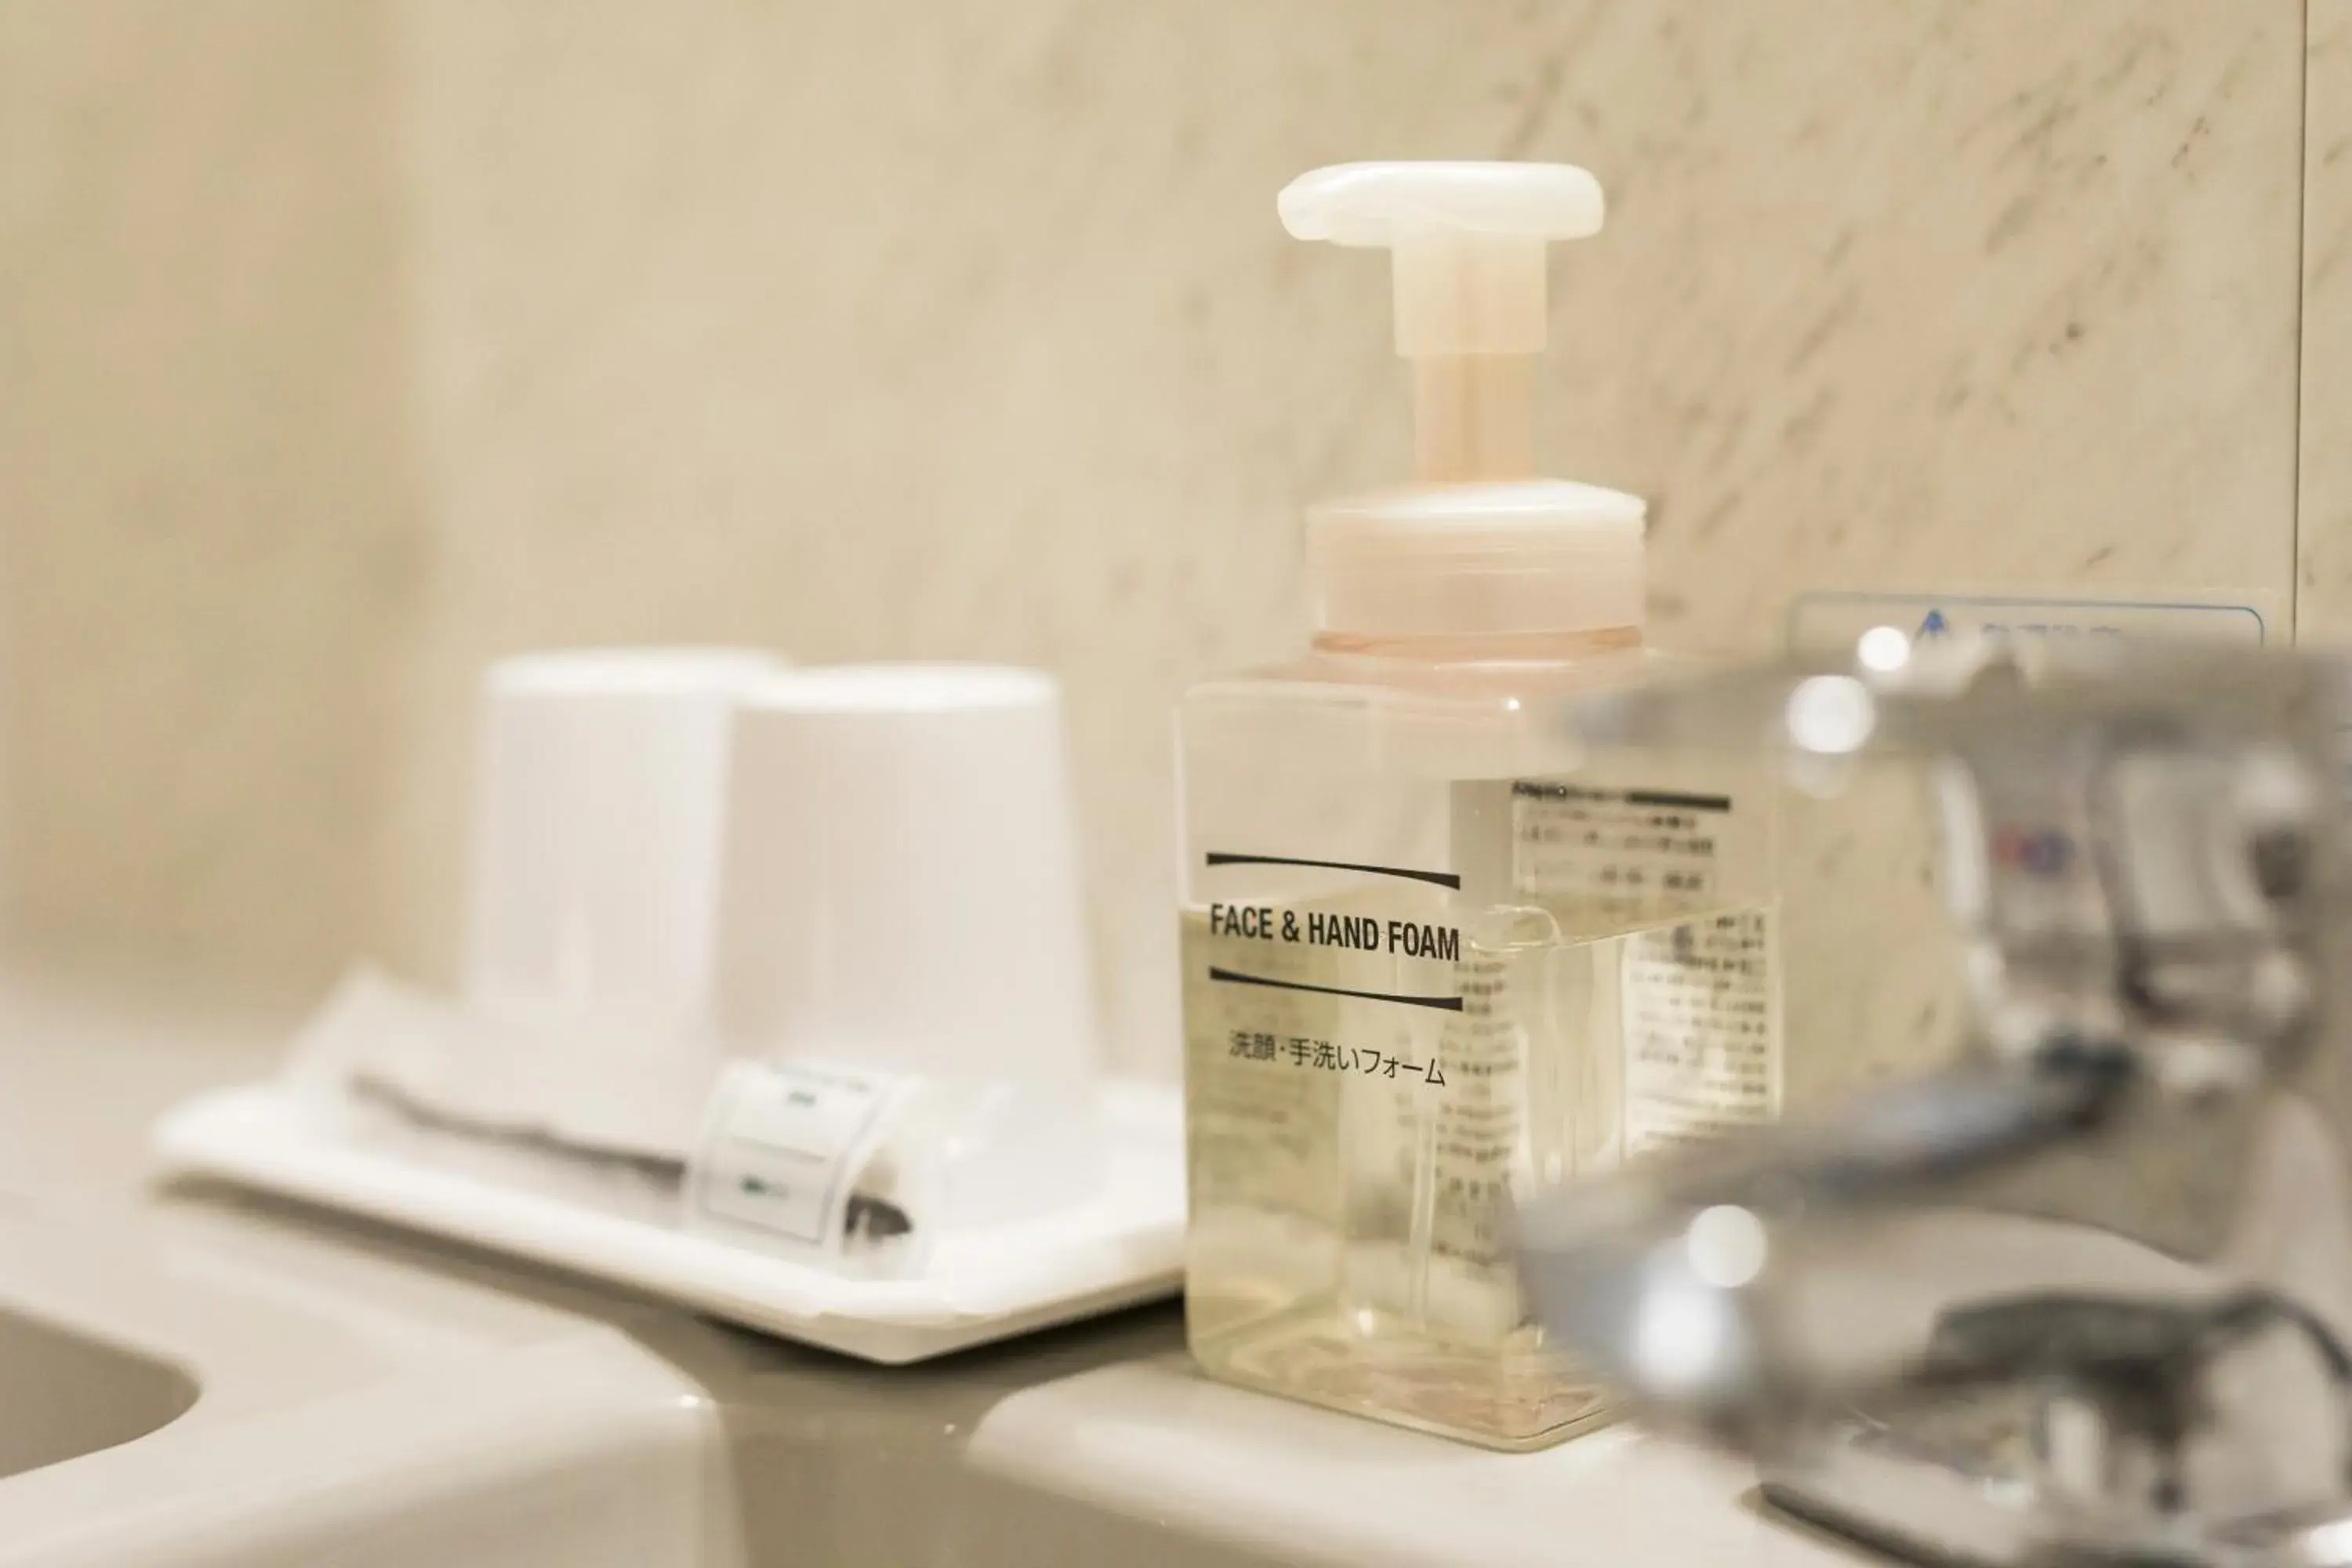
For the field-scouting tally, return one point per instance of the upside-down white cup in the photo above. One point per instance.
(591, 907)
(903, 884)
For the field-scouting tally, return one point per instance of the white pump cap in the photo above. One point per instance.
(1469, 240)
(1479, 547)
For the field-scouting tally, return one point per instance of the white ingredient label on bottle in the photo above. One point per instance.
(1701, 1039)
(1616, 847)
(782, 1146)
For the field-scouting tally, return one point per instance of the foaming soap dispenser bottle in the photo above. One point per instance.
(1433, 955)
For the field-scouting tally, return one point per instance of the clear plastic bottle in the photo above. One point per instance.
(1433, 955)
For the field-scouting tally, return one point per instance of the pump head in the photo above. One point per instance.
(1468, 241)
(1480, 546)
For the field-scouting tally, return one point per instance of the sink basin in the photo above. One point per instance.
(63, 1395)
(272, 1397)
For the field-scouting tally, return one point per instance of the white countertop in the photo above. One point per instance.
(1150, 1438)
(1090, 1444)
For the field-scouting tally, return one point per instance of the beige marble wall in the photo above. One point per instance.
(209, 514)
(971, 334)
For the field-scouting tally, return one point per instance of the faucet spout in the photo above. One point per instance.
(2084, 1294)
(1691, 1282)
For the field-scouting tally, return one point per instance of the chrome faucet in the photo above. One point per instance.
(2084, 1294)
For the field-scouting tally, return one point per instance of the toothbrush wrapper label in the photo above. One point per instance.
(787, 1154)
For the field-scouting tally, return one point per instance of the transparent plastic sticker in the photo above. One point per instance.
(794, 1154)
(1672, 877)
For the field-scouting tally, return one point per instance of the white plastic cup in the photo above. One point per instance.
(903, 883)
(599, 798)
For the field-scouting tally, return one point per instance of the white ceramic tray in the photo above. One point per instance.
(1124, 1248)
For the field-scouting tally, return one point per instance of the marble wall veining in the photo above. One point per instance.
(967, 333)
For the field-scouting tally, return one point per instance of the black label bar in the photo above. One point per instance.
(1434, 878)
(1441, 1004)
(1533, 790)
